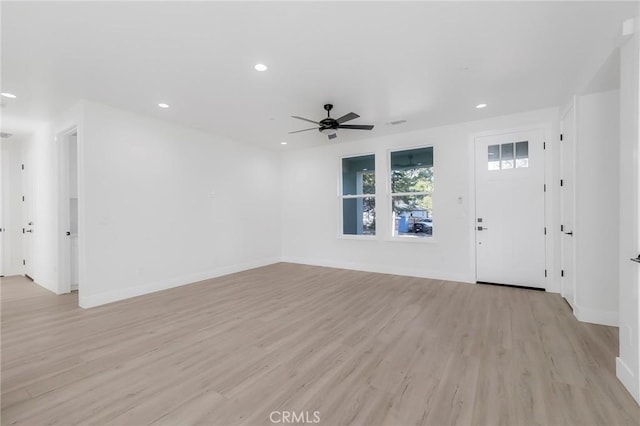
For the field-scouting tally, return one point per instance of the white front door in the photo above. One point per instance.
(567, 209)
(510, 228)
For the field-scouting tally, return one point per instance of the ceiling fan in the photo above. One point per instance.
(329, 126)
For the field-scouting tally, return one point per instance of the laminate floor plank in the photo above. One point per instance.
(356, 347)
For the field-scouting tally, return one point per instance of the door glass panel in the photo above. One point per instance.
(522, 154)
(507, 156)
(494, 157)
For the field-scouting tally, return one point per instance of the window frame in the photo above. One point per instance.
(341, 197)
(389, 198)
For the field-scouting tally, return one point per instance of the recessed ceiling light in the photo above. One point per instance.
(283, 143)
(8, 95)
(163, 105)
(479, 106)
(260, 67)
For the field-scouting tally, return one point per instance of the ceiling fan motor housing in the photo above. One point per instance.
(328, 123)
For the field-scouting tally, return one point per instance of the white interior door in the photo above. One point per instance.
(510, 229)
(4, 207)
(28, 225)
(72, 140)
(567, 207)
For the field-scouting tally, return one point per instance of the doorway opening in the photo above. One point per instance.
(68, 225)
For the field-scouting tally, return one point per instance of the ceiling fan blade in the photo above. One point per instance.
(304, 119)
(304, 130)
(356, 126)
(347, 117)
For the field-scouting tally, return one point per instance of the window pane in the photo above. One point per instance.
(412, 215)
(522, 154)
(507, 156)
(494, 157)
(358, 175)
(359, 216)
(412, 170)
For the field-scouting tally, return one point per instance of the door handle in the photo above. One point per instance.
(29, 230)
(68, 233)
(481, 228)
(569, 233)
(636, 259)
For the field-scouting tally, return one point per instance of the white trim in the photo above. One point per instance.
(140, 290)
(628, 379)
(401, 271)
(595, 316)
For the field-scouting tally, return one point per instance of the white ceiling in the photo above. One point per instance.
(429, 63)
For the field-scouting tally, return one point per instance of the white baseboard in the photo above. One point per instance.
(140, 290)
(628, 379)
(408, 272)
(596, 316)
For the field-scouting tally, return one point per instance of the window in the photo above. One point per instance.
(411, 193)
(359, 195)
(508, 156)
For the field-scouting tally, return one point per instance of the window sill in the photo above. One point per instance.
(413, 240)
(358, 237)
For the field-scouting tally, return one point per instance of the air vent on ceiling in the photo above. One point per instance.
(4, 135)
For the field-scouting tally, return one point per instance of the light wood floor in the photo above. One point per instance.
(359, 348)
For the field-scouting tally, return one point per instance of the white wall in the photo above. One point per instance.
(12, 249)
(310, 219)
(596, 233)
(628, 363)
(164, 205)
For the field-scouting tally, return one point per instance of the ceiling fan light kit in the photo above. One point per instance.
(329, 126)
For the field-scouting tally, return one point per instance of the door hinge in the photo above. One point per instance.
(560, 136)
(561, 228)
(562, 273)
(561, 182)
(545, 230)
(22, 166)
(545, 187)
(544, 145)
(24, 262)
(23, 198)
(545, 273)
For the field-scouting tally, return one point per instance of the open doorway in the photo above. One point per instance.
(68, 226)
